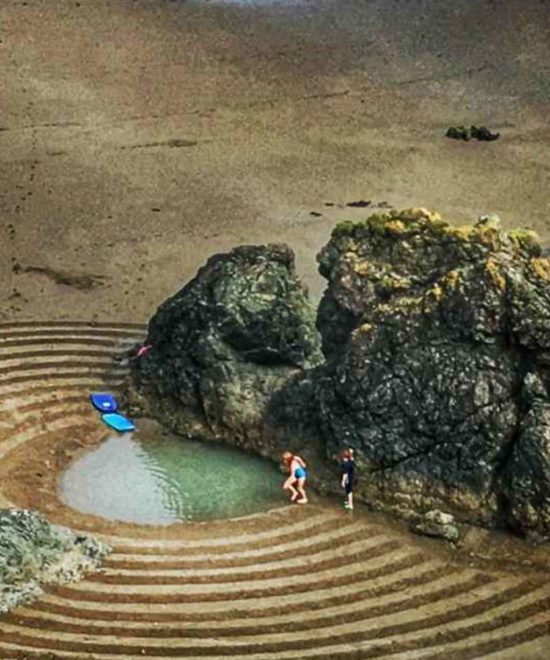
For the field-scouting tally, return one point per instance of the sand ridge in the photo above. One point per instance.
(296, 582)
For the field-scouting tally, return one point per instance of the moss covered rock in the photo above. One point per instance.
(429, 345)
(33, 552)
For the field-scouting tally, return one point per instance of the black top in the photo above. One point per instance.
(348, 468)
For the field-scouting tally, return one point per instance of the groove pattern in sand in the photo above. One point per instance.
(312, 583)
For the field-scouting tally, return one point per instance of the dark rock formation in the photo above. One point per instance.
(437, 357)
(225, 343)
(482, 133)
(437, 343)
(33, 552)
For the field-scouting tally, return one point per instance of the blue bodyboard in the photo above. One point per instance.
(104, 402)
(118, 422)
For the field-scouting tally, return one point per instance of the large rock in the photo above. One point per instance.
(432, 335)
(437, 354)
(33, 552)
(225, 343)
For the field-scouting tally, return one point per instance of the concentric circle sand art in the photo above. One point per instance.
(294, 582)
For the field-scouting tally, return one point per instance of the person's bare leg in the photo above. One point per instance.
(350, 501)
(288, 485)
(301, 490)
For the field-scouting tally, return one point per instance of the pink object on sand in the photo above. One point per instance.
(144, 349)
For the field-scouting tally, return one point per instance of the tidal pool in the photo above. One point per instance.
(166, 479)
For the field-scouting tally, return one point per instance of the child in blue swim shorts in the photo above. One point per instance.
(296, 480)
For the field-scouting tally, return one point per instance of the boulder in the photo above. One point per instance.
(435, 364)
(224, 344)
(432, 334)
(33, 552)
(438, 524)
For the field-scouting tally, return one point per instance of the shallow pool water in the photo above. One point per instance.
(165, 479)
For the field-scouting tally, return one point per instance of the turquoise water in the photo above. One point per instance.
(165, 479)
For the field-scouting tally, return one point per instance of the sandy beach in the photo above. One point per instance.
(138, 138)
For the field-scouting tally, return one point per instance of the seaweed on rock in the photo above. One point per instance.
(33, 552)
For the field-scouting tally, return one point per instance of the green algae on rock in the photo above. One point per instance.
(33, 552)
(428, 381)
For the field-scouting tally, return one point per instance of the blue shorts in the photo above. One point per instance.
(300, 473)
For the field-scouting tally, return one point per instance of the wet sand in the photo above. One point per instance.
(295, 582)
(138, 138)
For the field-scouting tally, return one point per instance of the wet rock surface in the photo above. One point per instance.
(225, 343)
(33, 552)
(436, 341)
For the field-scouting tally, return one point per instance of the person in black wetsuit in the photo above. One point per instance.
(348, 476)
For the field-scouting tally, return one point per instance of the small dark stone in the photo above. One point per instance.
(360, 204)
(473, 132)
(485, 134)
